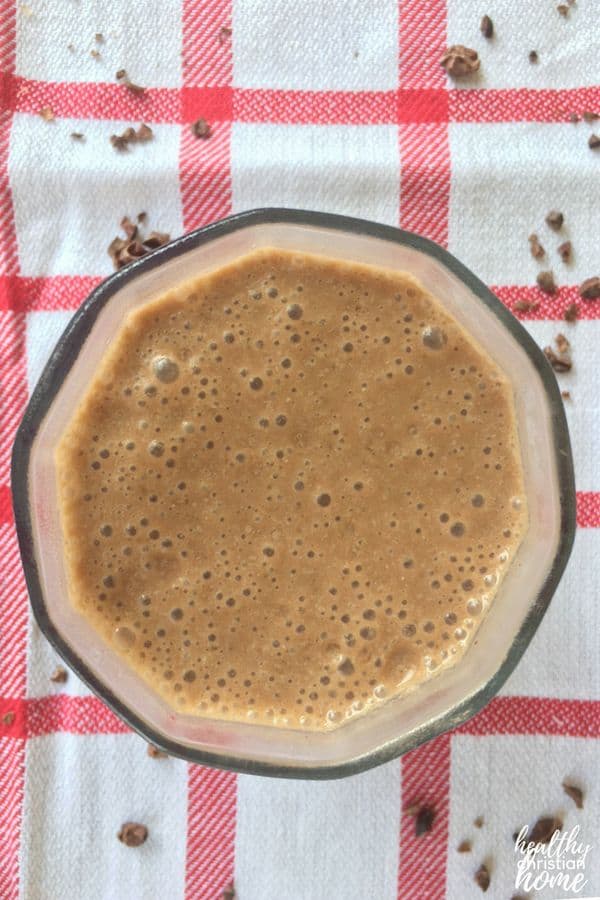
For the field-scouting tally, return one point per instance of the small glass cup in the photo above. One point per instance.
(400, 724)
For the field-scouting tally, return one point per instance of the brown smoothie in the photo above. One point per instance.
(291, 490)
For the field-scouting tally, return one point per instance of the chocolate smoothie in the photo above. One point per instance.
(291, 490)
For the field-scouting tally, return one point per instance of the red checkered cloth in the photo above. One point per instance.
(338, 105)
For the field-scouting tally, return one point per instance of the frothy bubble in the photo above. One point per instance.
(433, 337)
(124, 637)
(165, 369)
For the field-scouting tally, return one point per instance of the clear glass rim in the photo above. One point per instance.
(64, 355)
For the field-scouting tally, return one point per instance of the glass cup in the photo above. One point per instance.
(400, 724)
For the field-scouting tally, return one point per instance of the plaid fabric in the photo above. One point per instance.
(338, 105)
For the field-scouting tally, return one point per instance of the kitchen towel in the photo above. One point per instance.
(338, 105)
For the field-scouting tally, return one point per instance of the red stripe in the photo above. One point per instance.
(521, 105)
(13, 384)
(536, 715)
(546, 306)
(207, 48)
(212, 799)
(317, 107)
(13, 596)
(422, 97)
(6, 510)
(205, 176)
(91, 100)
(425, 780)
(416, 105)
(424, 207)
(588, 509)
(425, 180)
(215, 104)
(503, 715)
(12, 780)
(74, 715)
(422, 42)
(45, 293)
(205, 184)
(67, 292)
(13, 717)
(13, 630)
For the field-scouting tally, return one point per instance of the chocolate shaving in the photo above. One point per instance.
(119, 141)
(555, 219)
(224, 34)
(482, 877)
(135, 88)
(123, 77)
(464, 847)
(129, 227)
(201, 129)
(593, 142)
(99, 38)
(536, 249)
(155, 753)
(59, 676)
(589, 116)
(95, 53)
(114, 249)
(77, 136)
(132, 834)
(546, 282)
(562, 344)
(486, 27)
(131, 136)
(132, 250)
(571, 312)
(566, 395)
(565, 251)
(134, 246)
(413, 808)
(571, 790)
(229, 892)
(573, 117)
(142, 218)
(590, 288)
(47, 114)
(525, 306)
(459, 61)
(156, 239)
(533, 56)
(8, 718)
(563, 9)
(478, 822)
(424, 821)
(544, 828)
(144, 133)
(558, 364)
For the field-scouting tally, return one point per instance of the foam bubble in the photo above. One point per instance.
(165, 369)
(433, 337)
(124, 637)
